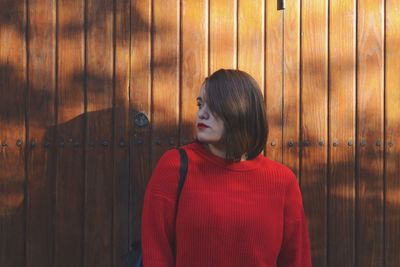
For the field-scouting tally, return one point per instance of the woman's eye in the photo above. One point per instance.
(199, 105)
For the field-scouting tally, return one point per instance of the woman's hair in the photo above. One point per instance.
(235, 97)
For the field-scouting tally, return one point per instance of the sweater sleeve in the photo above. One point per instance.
(158, 226)
(295, 250)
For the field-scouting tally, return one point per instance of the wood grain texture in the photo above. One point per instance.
(341, 186)
(121, 136)
(194, 62)
(70, 124)
(274, 79)
(89, 67)
(314, 93)
(251, 15)
(392, 138)
(140, 101)
(13, 82)
(223, 35)
(165, 90)
(41, 119)
(99, 157)
(370, 123)
(291, 86)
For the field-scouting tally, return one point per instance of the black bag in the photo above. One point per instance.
(134, 257)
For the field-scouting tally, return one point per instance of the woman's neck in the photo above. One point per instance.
(220, 152)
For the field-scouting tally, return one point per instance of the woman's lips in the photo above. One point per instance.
(202, 125)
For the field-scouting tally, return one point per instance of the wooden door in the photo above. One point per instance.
(92, 93)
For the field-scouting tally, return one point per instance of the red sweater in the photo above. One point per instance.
(248, 213)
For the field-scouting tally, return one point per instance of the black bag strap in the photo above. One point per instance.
(129, 257)
(182, 173)
(183, 169)
(182, 178)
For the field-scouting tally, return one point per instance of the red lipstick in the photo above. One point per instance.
(202, 125)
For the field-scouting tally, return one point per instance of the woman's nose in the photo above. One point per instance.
(202, 114)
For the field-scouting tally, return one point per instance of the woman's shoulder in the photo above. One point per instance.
(165, 176)
(170, 157)
(167, 168)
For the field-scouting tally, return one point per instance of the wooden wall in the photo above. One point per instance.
(75, 75)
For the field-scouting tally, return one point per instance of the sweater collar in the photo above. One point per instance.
(254, 163)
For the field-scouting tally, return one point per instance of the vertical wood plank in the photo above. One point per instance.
(165, 98)
(370, 124)
(121, 124)
(251, 38)
(41, 118)
(194, 62)
(273, 77)
(12, 129)
(70, 131)
(99, 156)
(140, 101)
(341, 183)
(223, 35)
(291, 86)
(314, 86)
(392, 139)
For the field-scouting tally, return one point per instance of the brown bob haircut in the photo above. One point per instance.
(235, 97)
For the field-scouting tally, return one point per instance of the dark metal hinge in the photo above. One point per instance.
(281, 4)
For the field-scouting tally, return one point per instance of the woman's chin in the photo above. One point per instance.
(202, 137)
(206, 139)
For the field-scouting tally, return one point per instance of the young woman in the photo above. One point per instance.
(237, 207)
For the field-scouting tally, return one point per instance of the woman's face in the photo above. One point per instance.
(213, 130)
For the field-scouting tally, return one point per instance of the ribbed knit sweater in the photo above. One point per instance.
(248, 213)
